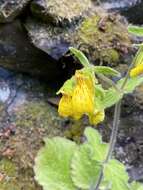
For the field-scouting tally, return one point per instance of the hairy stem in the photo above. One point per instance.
(113, 138)
(112, 141)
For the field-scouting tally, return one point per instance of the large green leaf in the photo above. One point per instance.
(131, 84)
(52, 165)
(136, 30)
(112, 96)
(114, 173)
(80, 56)
(106, 71)
(97, 146)
(136, 186)
(85, 171)
(87, 160)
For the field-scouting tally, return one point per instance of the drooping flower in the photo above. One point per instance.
(136, 71)
(83, 95)
(78, 97)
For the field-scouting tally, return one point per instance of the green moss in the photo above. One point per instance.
(33, 121)
(7, 167)
(9, 170)
(37, 114)
(110, 55)
(101, 36)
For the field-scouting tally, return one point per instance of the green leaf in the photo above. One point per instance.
(131, 84)
(85, 171)
(87, 160)
(106, 71)
(111, 97)
(97, 146)
(136, 30)
(136, 186)
(114, 172)
(99, 91)
(52, 164)
(80, 56)
(67, 87)
(138, 59)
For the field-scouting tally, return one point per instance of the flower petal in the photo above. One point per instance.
(65, 106)
(96, 118)
(138, 70)
(83, 96)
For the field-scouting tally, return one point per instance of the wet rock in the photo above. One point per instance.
(17, 53)
(60, 12)
(9, 9)
(99, 36)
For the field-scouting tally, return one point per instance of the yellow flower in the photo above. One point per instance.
(79, 98)
(138, 70)
(96, 118)
(83, 96)
(65, 106)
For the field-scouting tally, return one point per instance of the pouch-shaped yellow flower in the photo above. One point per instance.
(83, 96)
(96, 118)
(138, 70)
(65, 106)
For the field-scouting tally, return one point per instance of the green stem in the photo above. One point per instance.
(112, 141)
(113, 138)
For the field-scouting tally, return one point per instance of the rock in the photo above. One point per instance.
(52, 40)
(134, 14)
(118, 4)
(132, 9)
(25, 119)
(9, 9)
(100, 36)
(138, 96)
(17, 53)
(60, 12)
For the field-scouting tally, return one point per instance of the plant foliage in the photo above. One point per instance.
(62, 164)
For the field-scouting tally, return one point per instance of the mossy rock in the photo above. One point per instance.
(37, 114)
(60, 11)
(9, 170)
(99, 35)
(33, 122)
(14, 179)
(10, 9)
(51, 39)
(103, 36)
